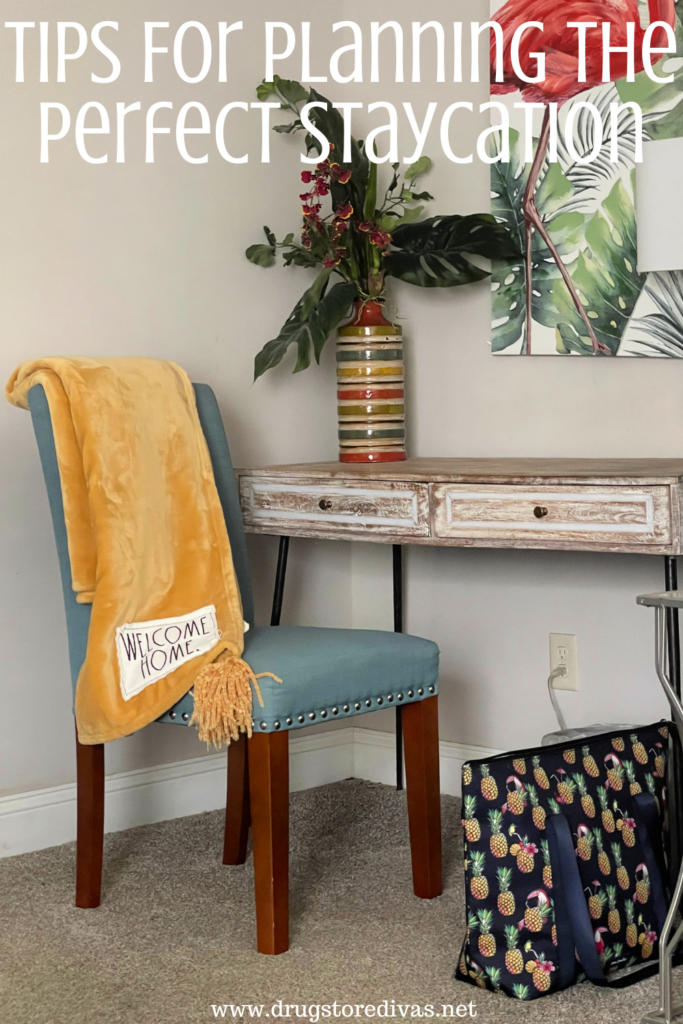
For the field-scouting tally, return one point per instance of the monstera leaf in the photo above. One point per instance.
(308, 329)
(555, 192)
(605, 277)
(434, 253)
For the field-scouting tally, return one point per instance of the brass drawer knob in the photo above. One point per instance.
(325, 504)
(540, 511)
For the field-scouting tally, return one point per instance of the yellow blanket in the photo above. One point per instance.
(147, 544)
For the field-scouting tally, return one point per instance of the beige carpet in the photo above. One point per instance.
(175, 932)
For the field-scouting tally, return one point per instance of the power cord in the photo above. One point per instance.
(561, 670)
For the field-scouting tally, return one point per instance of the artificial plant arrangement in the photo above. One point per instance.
(364, 237)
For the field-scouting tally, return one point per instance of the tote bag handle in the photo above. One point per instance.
(574, 925)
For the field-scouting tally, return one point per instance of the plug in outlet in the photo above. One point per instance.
(564, 651)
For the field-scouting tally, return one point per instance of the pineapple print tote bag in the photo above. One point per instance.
(566, 854)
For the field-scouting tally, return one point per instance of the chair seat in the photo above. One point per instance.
(330, 673)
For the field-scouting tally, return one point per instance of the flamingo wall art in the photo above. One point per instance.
(578, 290)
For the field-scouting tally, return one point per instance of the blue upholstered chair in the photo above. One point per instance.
(328, 674)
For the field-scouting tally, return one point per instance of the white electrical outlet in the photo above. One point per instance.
(564, 651)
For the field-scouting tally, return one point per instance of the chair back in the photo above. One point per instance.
(78, 615)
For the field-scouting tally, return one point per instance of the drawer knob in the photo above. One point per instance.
(540, 511)
(325, 504)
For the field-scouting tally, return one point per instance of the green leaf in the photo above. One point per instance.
(433, 253)
(282, 88)
(416, 196)
(370, 204)
(420, 166)
(288, 239)
(264, 90)
(657, 97)
(300, 257)
(670, 126)
(311, 298)
(272, 240)
(553, 192)
(287, 129)
(306, 332)
(662, 332)
(261, 255)
(508, 276)
(411, 214)
(388, 221)
(331, 123)
(292, 91)
(604, 275)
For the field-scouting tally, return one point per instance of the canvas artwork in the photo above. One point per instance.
(578, 289)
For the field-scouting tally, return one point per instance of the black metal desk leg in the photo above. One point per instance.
(280, 574)
(674, 651)
(397, 552)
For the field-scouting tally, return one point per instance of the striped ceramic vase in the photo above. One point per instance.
(370, 390)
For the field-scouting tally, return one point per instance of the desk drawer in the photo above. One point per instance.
(341, 507)
(620, 515)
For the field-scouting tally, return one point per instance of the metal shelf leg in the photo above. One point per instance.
(674, 647)
(667, 1014)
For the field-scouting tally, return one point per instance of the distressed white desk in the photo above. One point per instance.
(618, 505)
(628, 505)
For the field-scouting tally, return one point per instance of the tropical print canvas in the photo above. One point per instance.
(577, 291)
(511, 945)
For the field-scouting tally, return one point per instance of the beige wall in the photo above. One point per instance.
(148, 259)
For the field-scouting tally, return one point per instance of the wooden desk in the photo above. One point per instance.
(631, 505)
(606, 505)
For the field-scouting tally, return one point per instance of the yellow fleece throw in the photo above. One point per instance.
(148, 547)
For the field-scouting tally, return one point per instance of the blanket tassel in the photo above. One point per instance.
(222, 699)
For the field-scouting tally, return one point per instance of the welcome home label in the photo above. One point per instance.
(148, 651)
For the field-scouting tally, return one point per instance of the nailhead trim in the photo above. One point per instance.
(185, 716)
(172, 714)
(335, 710)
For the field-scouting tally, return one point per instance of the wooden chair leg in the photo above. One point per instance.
(237, 808)
(269, 790)
(90, 823)
(421, 744)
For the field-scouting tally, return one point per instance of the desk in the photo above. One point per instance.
(620, 505)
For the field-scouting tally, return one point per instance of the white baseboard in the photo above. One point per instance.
(47, 817)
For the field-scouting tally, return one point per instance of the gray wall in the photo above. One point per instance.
(148, 259)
